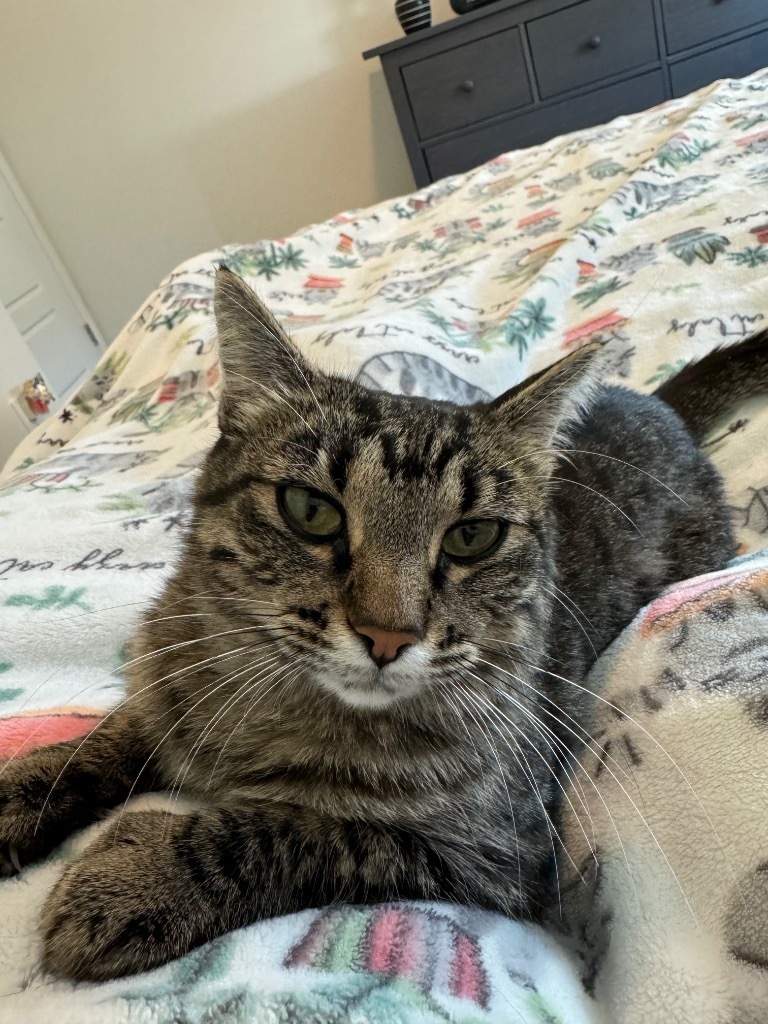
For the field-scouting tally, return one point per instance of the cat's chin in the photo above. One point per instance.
(367, 700)
(374, 691)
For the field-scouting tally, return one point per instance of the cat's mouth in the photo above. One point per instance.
(361, 684)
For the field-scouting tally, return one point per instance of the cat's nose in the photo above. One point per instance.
(384, 645)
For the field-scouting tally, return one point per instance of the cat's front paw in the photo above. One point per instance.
(34, 809)
(127, 905)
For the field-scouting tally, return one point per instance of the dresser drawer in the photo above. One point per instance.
(734, 60)
(475, 147)
(468, 83)
(591, 40)
(690, 22)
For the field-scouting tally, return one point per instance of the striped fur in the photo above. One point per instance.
(319, 776)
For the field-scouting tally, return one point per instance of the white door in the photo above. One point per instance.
(18, 364)
(44, 327)
(35, 292)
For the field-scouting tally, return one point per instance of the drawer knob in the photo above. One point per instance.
(467, 85)
(594, 43)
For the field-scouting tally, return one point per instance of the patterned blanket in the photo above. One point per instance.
(665, 887)
(650, 232)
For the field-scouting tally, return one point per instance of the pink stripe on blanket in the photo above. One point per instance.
(24, 732)
(699, 594)
(383, 936)
(468, 980)
(396, 944)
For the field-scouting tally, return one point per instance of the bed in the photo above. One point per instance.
(650, 232)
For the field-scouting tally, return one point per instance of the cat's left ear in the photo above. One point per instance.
(538, 412)
(260, 365)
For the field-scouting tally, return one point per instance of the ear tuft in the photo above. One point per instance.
(260, 365)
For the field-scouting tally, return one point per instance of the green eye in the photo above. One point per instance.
(310, 513)
(473, 539)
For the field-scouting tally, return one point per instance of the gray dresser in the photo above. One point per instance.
(518, 72)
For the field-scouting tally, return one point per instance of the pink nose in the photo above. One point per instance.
(384, 646)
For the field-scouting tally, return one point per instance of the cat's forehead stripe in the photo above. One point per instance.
(470, 490)
(339, 458)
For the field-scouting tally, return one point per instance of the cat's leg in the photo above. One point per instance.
(154, 886)
(56, 790)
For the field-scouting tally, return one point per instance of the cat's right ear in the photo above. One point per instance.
(260, 366)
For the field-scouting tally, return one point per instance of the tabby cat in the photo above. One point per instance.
(366, 672)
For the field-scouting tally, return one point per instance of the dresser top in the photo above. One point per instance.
(442, 27)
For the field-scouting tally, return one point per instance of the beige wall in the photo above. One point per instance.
(145, 131)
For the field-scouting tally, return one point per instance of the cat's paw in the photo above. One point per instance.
(127, 905)
(34, 806)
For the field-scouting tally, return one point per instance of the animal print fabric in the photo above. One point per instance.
(650, 232)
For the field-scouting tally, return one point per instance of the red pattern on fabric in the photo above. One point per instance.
(21, 733)
(467, 979)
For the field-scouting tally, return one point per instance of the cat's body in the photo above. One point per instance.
(379, 710)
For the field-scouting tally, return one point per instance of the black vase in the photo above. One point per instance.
(413, 14)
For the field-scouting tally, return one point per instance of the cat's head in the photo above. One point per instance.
(381, 540)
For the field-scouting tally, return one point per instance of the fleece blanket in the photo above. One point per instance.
(665, 894)
(650, 233)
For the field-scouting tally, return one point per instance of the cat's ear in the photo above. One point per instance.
(260, 366)
(538, 412)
